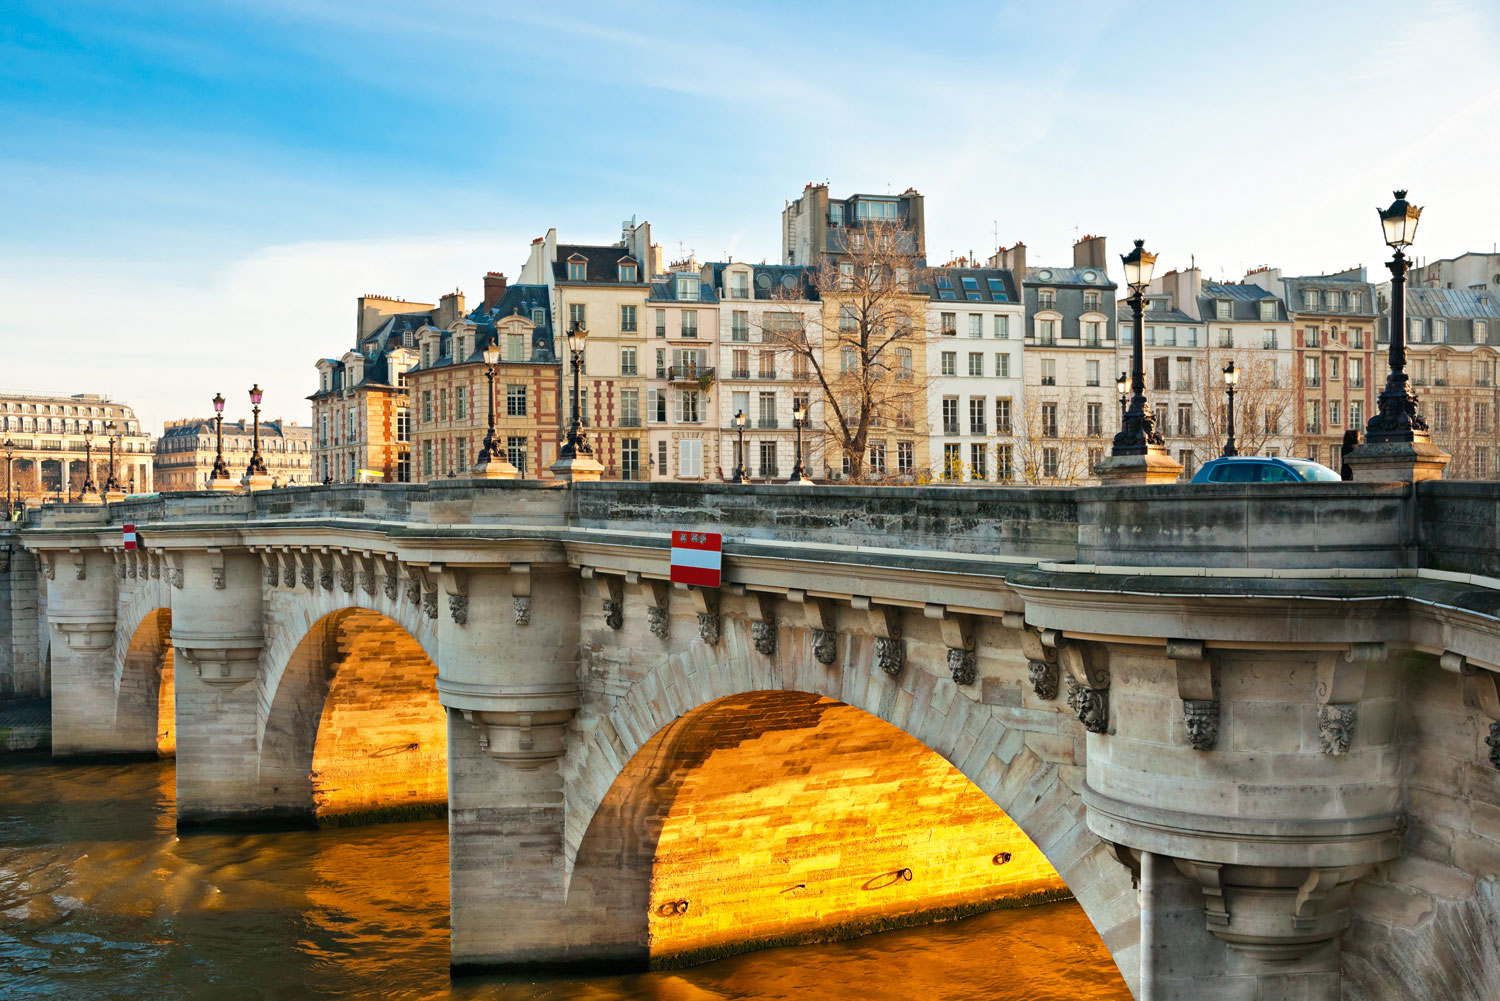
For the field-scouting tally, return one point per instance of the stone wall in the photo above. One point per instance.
(22, 622)
(1459, 526)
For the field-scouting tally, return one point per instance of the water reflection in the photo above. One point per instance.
(99, 898)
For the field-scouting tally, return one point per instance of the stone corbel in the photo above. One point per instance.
(1485, 689)
(885, 623)
(390, 576)
(47, 564)
(155, 560)
(117, 556)
(288, 560)
(655, 595)
(1130, 858)
(1041, 659)
(524, 739)
(520, 592)
(1087, 672)
(611, 591)
(324, 559)
(307, 571)
(706, 603)
(1277, 915)
(80, 564)
(174, 570)
(1210, 879)
(343, 562)
(820, 618)
(1341, 686)
(958, 637)
(364, 565)
(426, 581)
(224, 665)
(85, 632)
(413, 585)
(270, 566)
(456, 586)
(762, 609)
(1197, 687)
(216, 567)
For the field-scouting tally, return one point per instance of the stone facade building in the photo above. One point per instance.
(360, 410)
(679, 379)
(186, 451)
(450, 393)
(815, 227)
(47, 435)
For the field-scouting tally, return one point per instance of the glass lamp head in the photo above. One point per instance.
(1231, 377)
(491, 353)
(218, 403)
(1122, 383)
(1139, 264)
(739, 418)
(1400, 221)
(799, 412)
(255, 394)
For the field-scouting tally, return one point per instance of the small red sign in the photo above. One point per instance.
(129, 533)
(697, 558)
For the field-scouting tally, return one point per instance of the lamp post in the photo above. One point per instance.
(1122, 384)
(1230, 378)
(88, 466)
(739, 424)
(799, 418)
(491, 356)
(10, 452)
(576, 444)
(221, 468)
(111, 485)
(257, 465)
(1396, 418)
(1138, 434)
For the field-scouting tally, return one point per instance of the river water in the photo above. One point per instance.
(100, 899)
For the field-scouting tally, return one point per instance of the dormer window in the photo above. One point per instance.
(739, 285)
(1045, 299)
(687, 288)
(1268, 309)
(1310, 299)
(578, 269)
(1091, 302)
(836, 214)
(1354, 301)
(538, 317)
(627, 272)
(1223, 310)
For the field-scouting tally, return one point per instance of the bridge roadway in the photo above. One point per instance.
(1253, 727)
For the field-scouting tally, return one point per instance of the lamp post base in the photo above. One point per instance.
(224, 484)
(256, 481)
(1130, 470)
(494, 468)
(1397, 462)
(578, 469)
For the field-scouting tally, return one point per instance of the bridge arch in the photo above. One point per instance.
(353, 731)
(646, 747)
(145, 704)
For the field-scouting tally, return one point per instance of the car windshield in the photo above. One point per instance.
(1313, 472)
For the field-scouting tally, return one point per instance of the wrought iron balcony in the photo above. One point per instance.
(689, 373)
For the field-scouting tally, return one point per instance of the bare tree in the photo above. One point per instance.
(1054, 447)
(862, 352)
(1265, 406)
(1462, 419)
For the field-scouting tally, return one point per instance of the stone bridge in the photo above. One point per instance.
(1251, 727)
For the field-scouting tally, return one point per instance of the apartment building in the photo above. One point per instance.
(187, 450)
(679, 378)
(1068, 359)
(817, 227)
(1475, 271)
(47, 436)
(762, 309)
(1451, 351)
(603, 289)
(450, 390)
(975, 387)
(360, 407)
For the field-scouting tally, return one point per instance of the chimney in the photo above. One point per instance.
(494, 289)
(1013, 258)
(450, 309)
(1089, 253)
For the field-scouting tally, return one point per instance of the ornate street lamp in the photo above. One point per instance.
(1230, 378)
(1121, 385)
(739, 424)
(10, 453)
(576, 444)
(1396, 418)
(491, 356)
(1138, 434)
(257, 465)
(799, 419)
(88, 466)
(221, 468)
(111, 485)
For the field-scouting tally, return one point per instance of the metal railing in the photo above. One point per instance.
(766, 422)
(689, 373)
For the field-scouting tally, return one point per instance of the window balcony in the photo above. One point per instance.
(1049, 380)
(1003, 429)
(766, 374)
(950, 430)
(1313, 427)
(766, 422)
(1183, 385)
(1314, 382)
(630, 422)
(740, 373)
(689, 373)
(976, 429)
(769, 472)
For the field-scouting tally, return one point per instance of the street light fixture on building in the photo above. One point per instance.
(1138, 434)
(799, 420)
(1231, 377)
(221, 468)
(576, 444)
(257, 465)
(739, 425)
(1396, 418)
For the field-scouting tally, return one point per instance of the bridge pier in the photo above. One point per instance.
(81, 618)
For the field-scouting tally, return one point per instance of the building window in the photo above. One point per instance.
(1005, 469)
(1046, 331)
(630, 408)
(1223, 310)
(690, 458)
(1002, 365)
(628, 361)
(949, 362)
(739, 325)
(903, 365)
(950, 415)
(1268, 309)
(1226, 337)
(626, 272)
(767, 410)
(767, 466)
(976, 325)
(427, 458)
(1481, 462)
(1049, 463)
(578, 271)
(656, 406)
(661, 458)
(688, 410)
(515, 348)
(538, 317)
(1481, 332)
(877, 458)
(630, 458)
(1045, 298)
(906, 457)
(1049, 371)
(1049, 420)
(953, 462)
(1439, 331)
(1002, 327)
(578, 315)
(1414, 327)
(1091, 372)
(515, 401)
(687, 288)
(403, 467)
(1161, 373)
(689, 323)
(976, 415)
(403, 424)
(947, 324)
(1184, 420)
(976, 363)
(1094, 420)
(627, 317)
(1002, 415)
(461, 403)
(661, 323)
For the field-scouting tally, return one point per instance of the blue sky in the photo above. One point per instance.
(191, 195)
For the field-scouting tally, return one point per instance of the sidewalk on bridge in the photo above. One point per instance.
(25, 724)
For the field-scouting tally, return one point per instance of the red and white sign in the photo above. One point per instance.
(129, 531)
(697, 558)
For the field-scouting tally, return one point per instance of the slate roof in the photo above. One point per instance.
(665, 290)
(205, 426)
(1174, 315)
(1068, 276)
(1295, 287)
(981, 277)
(602, 265)
(775, 276)
(1245, 300)
(517, 298)
(1446, 303)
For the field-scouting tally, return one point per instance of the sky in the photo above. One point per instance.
(192, 195)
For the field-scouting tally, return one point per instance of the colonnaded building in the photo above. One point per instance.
(186, 451)
(47, 437)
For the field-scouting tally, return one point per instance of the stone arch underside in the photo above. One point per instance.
(354, 732)
(779, 817)
(145, 706)
(1026, 757)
